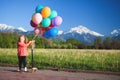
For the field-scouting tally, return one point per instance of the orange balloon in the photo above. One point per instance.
(46, 11)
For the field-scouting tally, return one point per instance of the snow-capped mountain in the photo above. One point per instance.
(7, 28)
(60, 32)
(22, 29)
(116, 34)
(83, 30)
(81, 33)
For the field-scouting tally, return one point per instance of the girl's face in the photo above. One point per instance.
(22, 39)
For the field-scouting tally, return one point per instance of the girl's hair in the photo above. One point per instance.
(26, 39)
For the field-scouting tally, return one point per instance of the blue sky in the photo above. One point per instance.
(98, 15)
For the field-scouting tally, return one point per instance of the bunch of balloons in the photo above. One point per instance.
(44, 21)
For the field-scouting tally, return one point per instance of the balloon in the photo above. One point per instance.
(38, 9)
(46, 22)
(49, 27)
(37, 18)
(46, 12)
(33, 24)
(53, 14)
(57, 21)
(36, 31)
(51, 33)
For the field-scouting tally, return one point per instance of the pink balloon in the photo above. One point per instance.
(57, 21)
(37, 18)
(33, 24)
(36, 31)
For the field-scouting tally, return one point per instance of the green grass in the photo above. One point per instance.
(98, 60)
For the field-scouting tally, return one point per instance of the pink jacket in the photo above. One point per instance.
(22, 49)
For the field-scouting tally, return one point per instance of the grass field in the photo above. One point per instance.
(98, 60)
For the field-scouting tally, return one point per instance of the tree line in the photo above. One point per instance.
(9, 40)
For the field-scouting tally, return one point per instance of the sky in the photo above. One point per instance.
(101, 16)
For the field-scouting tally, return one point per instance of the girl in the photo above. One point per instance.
(23, 51)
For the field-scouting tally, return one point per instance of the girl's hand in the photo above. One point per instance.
(33, 41)
(30, 41)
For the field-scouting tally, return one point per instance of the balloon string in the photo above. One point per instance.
(33, 45)
(34, 37)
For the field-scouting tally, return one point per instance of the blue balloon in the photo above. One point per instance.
(46, 22)
(38, 9)
(51, 33)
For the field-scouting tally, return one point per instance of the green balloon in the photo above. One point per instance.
(46, 22)
(53, 14)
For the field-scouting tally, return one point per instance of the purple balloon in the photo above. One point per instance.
(33, 24)
(57, 21)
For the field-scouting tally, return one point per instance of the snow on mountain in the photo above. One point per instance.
(83, 30)
(115, 34)
(114, 31)
(22, 29)
(4, 27)
(81, 33)
(7, 28)
(60, 32)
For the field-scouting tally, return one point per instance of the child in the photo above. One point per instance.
(23, 51)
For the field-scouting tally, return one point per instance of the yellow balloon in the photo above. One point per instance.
(46, 11)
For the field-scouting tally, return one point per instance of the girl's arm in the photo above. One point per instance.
(31, 42)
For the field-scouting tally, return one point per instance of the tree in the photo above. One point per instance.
(8, 40)
(73, 42)
(97, 42)
(115, 44)
(107, 43)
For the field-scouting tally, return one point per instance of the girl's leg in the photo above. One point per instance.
(24, 61)
(20, 62)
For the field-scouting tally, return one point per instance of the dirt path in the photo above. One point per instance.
(9, 73)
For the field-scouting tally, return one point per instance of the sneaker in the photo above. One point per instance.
(25, 69)
(18, 70)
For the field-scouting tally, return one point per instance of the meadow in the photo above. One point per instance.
(77, 59)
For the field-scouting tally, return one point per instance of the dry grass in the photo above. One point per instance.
(85, 59)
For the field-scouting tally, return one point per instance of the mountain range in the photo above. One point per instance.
(81, 33)
(8, 28)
